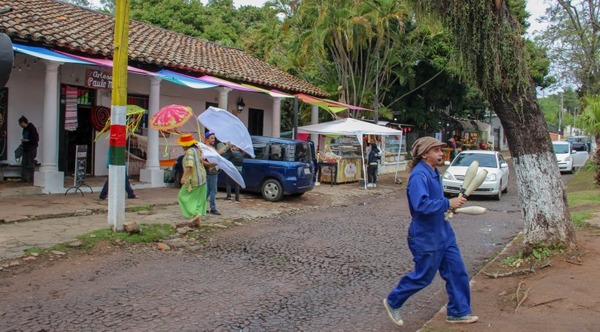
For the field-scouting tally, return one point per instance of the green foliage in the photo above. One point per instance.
(539, 65)
(590, 117)
(186, 17)
(551, 106)
(539, 253)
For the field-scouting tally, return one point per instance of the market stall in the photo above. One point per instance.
(343, 158)
(347, 152)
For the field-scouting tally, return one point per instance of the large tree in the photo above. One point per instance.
(492, 53)
(573, 42)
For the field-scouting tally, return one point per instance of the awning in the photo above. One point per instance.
(333, 108)
(272, 93)
(225, 83)
(467, 125)
(352, 107)
(107, 63)
(185, 80)
(46, 54)
(482, 126)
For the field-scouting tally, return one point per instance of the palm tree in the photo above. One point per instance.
(354, 43)
(590, 121)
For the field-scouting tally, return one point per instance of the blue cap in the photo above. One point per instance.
(208, 134)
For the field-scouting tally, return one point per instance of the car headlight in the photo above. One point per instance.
(491, 177)
(567, 158)
(448, 176)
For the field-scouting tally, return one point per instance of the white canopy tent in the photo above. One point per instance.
(352, 127)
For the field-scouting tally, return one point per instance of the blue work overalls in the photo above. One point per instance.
(433, 244)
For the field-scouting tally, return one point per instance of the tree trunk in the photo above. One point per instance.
(539, 184)
(493, 54)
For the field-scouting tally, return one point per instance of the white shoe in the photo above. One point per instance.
(370, 185)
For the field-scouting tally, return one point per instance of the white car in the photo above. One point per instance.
(496, 182)
(564, 153)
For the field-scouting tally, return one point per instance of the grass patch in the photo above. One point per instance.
(140, 208)
(580, 217)
(583, 195)
(148, 233)
(586, 197)
(582, 180)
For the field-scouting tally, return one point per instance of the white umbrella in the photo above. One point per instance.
(214, 157)
(227, 128)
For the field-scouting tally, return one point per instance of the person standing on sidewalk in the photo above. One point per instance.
(373, 165)
(30, 144)
(236, 156)
(192, 195)
(431, 239)
(212, 172)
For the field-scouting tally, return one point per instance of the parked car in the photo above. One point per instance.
(571, 155)
(581, 139)
(282, 166)
(496, 182)
(562, 151)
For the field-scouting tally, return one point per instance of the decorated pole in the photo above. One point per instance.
(118, 134)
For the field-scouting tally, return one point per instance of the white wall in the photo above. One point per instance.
(26, 97)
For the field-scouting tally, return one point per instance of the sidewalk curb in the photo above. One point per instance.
(80, 213)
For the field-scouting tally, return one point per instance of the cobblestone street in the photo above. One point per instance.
(320, 270)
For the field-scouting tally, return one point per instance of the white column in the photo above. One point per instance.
(223, 98)
(314, 119)
(152, 172)
(276, 130)
(48, 177)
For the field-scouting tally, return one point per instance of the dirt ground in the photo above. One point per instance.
(561, 295)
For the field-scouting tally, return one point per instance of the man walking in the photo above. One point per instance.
(431, 239)
(30, 143)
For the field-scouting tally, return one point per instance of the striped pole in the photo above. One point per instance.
(118, 134)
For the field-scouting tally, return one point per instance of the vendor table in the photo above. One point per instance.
(344, 171)
(333, 169)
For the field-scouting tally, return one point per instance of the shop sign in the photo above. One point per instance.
(98, 79)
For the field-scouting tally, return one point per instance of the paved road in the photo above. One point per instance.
(322, 270)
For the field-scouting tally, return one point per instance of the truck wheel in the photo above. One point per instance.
(272, 190)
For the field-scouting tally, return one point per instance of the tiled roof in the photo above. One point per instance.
(71, 28)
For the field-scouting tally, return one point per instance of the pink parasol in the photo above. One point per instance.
(171, 117)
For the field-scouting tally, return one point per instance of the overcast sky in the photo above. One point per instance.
(536, 8)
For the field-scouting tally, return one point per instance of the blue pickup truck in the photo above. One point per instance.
(281, 167)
